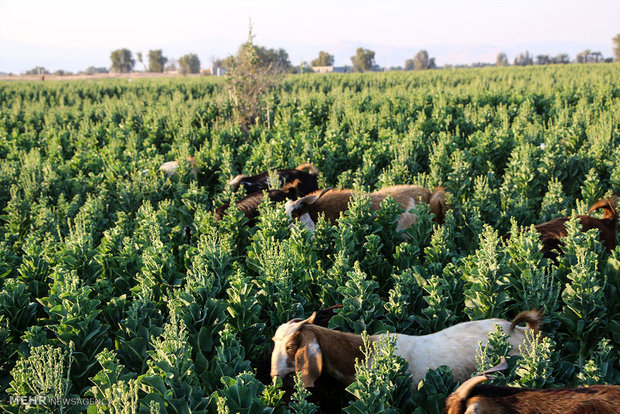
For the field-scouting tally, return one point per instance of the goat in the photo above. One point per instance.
(301, 346)
(249, 204)
(551, 232)
(333, 203)
(261, 181)
(171, 167)
(488, 399)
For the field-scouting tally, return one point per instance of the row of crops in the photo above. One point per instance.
(119, 288)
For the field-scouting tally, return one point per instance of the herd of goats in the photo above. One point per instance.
(309, 347)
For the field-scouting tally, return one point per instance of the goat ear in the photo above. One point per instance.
(294, 188)
(311, 318)
(295, 320)
(308, 359)
(237, 180)
(309, 199)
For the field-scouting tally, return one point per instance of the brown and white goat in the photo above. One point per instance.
(301, 346)
(305, 173)
(171, 167)
(249, 204)
(471, 398)
(552, 232)
(332, 203)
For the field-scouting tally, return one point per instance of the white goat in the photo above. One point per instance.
(301, 346)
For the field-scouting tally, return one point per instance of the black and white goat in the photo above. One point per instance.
(305, 173)
(249, 204)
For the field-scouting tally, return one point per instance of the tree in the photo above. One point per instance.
(523, 59)
(582, 57)
(139, 59)
(324, 59)
(276, 60)
(37, 70)
(616, 41)
(248, 77)
(304, 67)
(409, 64)
(543, 60)
(364, 60)
(596, 57)
(172, 65)
(122, 61)
(157, 61)
(91, 70)
(502, 59)
(189, 63)
(561, 58)
(421, 61)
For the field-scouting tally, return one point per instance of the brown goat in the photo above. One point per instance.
(249, 204)
(552, 232)
(332, 203)
(472, 398)
(259, 182)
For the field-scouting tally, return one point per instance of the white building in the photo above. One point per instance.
(218, 71)
(331, 69)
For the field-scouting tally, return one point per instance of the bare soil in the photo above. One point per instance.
(132, 75)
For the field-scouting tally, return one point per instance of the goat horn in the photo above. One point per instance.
(324, 191)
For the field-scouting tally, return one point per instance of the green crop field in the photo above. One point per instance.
(119, 289)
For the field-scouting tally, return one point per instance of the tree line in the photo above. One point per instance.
(122, 61)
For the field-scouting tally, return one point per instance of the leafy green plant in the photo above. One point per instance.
(599, 369)
(361, 306)
(535, 368)
(241, 394)
(583, 295)
(485, 273)
(114, 385)
(171, 378)
(382, 383)
(430, 394)
(299, 403)
(44, 373)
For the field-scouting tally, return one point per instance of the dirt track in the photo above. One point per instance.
(132, 75)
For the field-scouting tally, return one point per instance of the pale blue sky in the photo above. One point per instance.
(72, 35)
